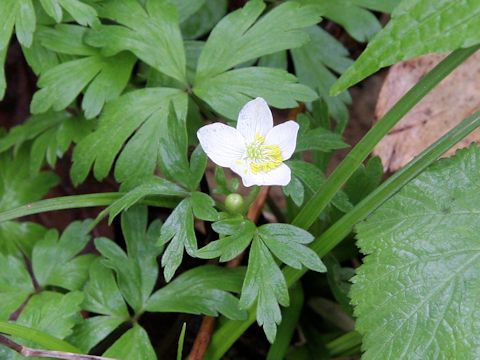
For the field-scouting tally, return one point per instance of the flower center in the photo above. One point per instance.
(263, 158)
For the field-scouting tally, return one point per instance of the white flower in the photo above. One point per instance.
(255, 150)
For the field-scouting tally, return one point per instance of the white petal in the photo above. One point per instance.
(285, 136)
(223, 144)
(255, 118)
(278, 176)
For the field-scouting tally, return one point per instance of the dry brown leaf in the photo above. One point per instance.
(455, 98)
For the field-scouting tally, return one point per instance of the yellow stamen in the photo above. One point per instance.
(263, 158)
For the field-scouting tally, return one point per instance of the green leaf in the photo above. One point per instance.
(91, 331)
(240, 233)
(181, 341)
(364, 180)
(66, 271)
(198, 164)
(18, 13)
(173, 147)
(104, 78)
(320, 139)
(53, 313)
(287, 242)
(18, 185)
(178, 231)
(18, 238)
(3, 81)
(360, 23)
(203, 206)
(52, 135)
(276, 60)
(313, 178)
(239, 37)
(290, 319)
(15, 285)
(206, 13)
(265, 283)
(385, 6)
(202, 290)
(137, 270)
(152, 186)
(228, 92)
(145, 110)
(133, 345)
(102, 296)
(187, 8)
(315, 65)
(417, 27)
(420, 277)
(151, 33)
(82, 13)
(295, 190)
(340, 281)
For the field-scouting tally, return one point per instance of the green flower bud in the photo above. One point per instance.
(234, 203)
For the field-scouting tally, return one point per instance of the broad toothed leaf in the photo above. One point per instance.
(417, 27)
(416, 295)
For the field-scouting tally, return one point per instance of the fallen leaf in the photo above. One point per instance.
(454, 99)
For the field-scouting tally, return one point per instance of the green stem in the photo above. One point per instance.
(38, 337)
(230, 331)
(77, 201)
(311, 210)
(344, 343)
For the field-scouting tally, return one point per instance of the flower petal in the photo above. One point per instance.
(223, 144)
(278, 176)
(285, 136)
(255, 118)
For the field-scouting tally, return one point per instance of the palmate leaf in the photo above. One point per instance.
(17, 184)
(353, 16)
(203, 290)
(228, 92)
(102, 296)
(178, 231)
(150, 186)
(82, 13)
(264, 281)
(21, 15)
(104, 78)
(312, 178)
(239, 37)
(68, 271)
(49, 312)
(152, 33)
(137, 269)
(133, 345)
(207, 13)
(146, 110)
(417, 27)
(416, 296)
(52, 135)
(15, 285)
(316, 64)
